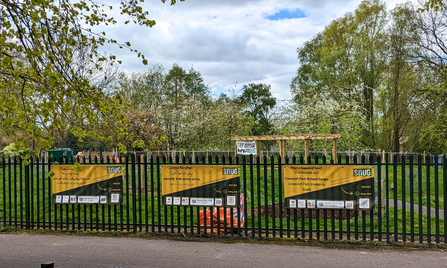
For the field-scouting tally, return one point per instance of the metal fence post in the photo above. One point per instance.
(27, 194)
(134, 196)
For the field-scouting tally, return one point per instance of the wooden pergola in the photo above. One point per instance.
(283, 140)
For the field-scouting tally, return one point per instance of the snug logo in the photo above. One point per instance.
(230, 171)
(113, 169)
(362, 172)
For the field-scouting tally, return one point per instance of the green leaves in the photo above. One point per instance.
(6, 61)
(139, 144)
(49, 60)
(435, 5)
(346, 62)
(258, 102)
(53, 80)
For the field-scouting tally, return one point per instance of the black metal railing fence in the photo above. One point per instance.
(410, 199)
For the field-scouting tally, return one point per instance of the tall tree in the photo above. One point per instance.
(431, 122)
(399, 95)
(142, 91)
(182, 91)
(258, 102)
(177, 100)
(346, 61)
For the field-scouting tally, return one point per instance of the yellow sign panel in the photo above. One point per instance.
(300, 180)
(180, 178)
(66, 178)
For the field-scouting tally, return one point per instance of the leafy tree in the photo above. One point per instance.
(142, 91)
(39, 43)
(430, 127)
(427, 130)
(176, 98)
(89, 142)
(346, 63)
(392, 68)
(179, 107)
(183, 91)
(323, 116)
(258, 102)
(399, 95)
(144, 126)
(211, 125)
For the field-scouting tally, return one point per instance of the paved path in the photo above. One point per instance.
(29, 250)
(416, 208)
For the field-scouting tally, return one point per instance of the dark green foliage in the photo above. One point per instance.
(258, 102)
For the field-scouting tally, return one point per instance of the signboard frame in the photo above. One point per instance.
(87, 184)
(201, 185)
(327, 186)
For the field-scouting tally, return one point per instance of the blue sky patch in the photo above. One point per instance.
(287, 14)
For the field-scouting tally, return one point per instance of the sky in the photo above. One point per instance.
(230, 42)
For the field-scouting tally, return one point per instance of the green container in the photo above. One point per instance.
(61, 152)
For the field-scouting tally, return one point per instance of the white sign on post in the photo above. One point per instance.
(246, 148)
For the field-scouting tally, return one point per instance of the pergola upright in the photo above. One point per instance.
(283, 142)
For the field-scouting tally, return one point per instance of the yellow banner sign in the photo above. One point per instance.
(301, 180)
(92, 180)
(181, 178)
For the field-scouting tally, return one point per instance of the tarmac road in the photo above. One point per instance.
(29, 250)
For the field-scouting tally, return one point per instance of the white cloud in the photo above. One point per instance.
(229, 41)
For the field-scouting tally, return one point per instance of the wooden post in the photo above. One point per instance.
(258, 148)
(193, 157)
(334, 150)
(306, 149)
(282, 150)
(285, 149)
(235, 148)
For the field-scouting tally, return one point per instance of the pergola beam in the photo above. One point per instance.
(283, 144)
(288, 137)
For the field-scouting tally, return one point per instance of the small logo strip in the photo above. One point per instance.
(113, 169)
(230, 171)
(362, 172)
